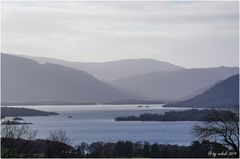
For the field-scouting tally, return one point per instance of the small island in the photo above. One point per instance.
(187, 115)
(17, 119)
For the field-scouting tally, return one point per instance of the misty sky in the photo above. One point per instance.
(190, 34)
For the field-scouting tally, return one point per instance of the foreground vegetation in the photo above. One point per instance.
(121, 149)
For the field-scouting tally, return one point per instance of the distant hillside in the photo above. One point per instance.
(223, 94)
(25, 81)
(109, 71)
(175, 85)
(12, 112)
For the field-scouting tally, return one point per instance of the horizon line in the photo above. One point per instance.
(110, 61)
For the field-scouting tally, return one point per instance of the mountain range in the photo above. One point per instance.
(110, 71)
(175, 85)
(24, 80)
(28, 79)
(223, 94)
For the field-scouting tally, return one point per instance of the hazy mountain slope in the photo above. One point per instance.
(200, 91)
(176, 84)
(24, 80)
(109, 71)
(225, 93)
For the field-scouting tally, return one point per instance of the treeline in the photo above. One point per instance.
(22, 148)
(121, 149)
(187, 115)
(127, 149)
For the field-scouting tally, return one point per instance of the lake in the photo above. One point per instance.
(92, 123)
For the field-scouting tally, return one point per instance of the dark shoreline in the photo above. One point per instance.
(9, 122)
(16, 112)
(186, 115)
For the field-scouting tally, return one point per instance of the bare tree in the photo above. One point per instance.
(60, 144)
(59, 136)
(220, 126)
(18, 132)
(12, 136)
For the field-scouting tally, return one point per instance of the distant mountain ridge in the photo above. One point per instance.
(174, 85)
(109, 71)
(24, 80)
(223, 94)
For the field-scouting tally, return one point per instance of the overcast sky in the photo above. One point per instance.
(190, 34)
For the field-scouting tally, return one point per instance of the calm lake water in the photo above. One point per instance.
(92, 123)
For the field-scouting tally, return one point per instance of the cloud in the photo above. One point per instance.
(189, 34)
